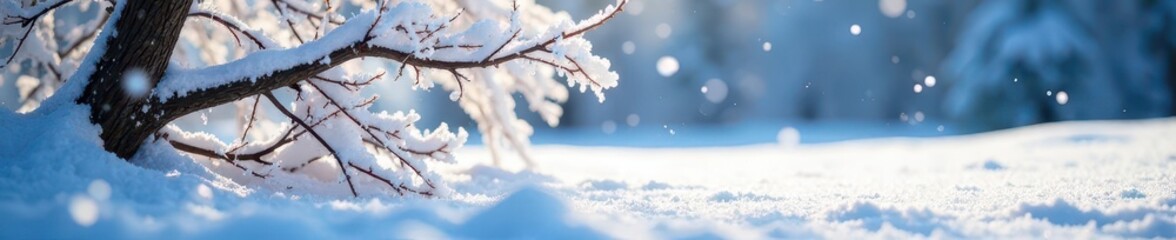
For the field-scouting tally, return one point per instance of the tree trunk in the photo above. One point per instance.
(145, 35)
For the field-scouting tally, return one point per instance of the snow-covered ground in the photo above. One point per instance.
(1114, 179)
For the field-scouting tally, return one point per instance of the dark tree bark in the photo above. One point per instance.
(146, 33)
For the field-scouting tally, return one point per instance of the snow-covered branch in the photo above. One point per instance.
(406, 33)
(168, 59)
(327, 97)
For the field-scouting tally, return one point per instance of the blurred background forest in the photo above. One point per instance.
(721, 72)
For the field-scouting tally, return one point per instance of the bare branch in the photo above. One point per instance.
(233, 26)
(320, 139)
(373, 135)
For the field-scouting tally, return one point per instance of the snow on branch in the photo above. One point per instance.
(409, 33)
(483, 62)
(302, 149)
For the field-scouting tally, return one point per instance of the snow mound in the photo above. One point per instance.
(604, 185)
(873, 217)
(1135, 222)
(57, 182)
(529, 213)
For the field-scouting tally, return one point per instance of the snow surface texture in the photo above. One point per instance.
(1068, 180)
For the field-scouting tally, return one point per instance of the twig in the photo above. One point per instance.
(320, 139)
